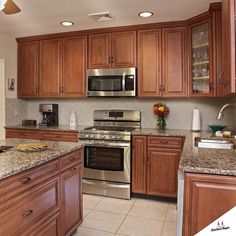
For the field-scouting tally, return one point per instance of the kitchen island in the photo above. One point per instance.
(41, 192)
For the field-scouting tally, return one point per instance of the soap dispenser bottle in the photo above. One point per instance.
(73, 122)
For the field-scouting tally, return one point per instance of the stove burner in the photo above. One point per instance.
(109, 128)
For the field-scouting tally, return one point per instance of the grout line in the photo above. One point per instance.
(97, 229)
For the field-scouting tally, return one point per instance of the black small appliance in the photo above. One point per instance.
(49, 114)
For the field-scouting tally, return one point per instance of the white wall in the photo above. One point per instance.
(8, 51)
(2, 98)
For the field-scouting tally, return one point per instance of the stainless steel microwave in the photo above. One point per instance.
(115, 82)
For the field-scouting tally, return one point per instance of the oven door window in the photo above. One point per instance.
(103, 158)
(105, 83)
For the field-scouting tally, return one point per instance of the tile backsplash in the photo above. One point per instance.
(180, 110)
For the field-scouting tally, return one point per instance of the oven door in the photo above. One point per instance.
(107, 161)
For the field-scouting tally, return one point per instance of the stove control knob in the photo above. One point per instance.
(119, 137)
(113, 137)
(91, 136)
(103, 136)
(86, 136)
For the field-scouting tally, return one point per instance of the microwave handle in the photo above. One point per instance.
(123, 82)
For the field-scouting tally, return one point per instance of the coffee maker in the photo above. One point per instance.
(49, 114)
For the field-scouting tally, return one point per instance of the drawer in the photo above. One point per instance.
(59, 136)
(21, 182)
(28, 208)
(27, 134)
(169, 142)
(71, 159)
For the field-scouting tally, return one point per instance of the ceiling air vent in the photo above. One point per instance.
(102, 16)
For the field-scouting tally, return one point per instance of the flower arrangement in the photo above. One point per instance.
(162, 111)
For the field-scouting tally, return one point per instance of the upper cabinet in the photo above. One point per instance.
(227, 76)
(52, 68)
(201, 59)
(112, 50)
(28, 55)
(162, 60)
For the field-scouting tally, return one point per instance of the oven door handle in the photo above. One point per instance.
(112, 145)
(101, 183)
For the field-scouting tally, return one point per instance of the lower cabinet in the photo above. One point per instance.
(155, 163)
(206, 198)
(71, 193)
(43, 203)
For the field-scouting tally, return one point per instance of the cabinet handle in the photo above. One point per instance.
(109, 60)
(112, 60)
(27, 213)
(160, 88)
(25, 180)
(211, 86)
(72, 158)
(73, 169)
(164, 142)
(221, 75)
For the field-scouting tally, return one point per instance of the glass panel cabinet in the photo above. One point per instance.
(201, 76)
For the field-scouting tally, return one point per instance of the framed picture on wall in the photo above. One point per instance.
(11, 84)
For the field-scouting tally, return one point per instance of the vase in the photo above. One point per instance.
(161, 123)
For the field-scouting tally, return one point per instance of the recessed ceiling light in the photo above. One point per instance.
(66, 23)
(145, 14)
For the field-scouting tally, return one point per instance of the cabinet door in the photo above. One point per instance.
(149, 63)
(124, 49)
(207, 197)
(139, 161)
(174, 61)
(50, 68)
(71, 208)
(74, 67)
(228, 46)
(28, 69)
(162, 171)
(99, 51)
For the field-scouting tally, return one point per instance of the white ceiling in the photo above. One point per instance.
(44, 16)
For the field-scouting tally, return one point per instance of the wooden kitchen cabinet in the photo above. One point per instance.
(112, 50)
(74, 67)
(227, 75)
(42, 134)
(28, 56)
(206, 198)
(139, 164)
(162, 63)
(50, 65)
(155, 163)
(71, 199)
(149, 63)
(174, 61)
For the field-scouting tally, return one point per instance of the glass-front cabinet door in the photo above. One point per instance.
(200, 60)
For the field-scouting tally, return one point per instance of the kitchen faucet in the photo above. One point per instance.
(221, 115)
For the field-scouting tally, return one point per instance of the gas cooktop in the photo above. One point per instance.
(110, 128)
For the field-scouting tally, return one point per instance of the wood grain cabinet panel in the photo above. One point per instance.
(18, 133)
(71, 184)
(228, 46)
(139, 164)
(59, 136)
(149, 63)
(50, 68)
(74, 67)
(18, 213)
(168, 142)
(99, 51)
(162, 169)
(71, 159)
(28, 56)
(207, 197)
(124, 49)
(174, 61)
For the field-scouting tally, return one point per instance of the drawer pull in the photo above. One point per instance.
(28, 213)
(164, 142)
(25, 180)
(72, 158)
(73, 169)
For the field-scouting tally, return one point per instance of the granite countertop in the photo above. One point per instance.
(59, 128)
(13, 161)
(199, 160)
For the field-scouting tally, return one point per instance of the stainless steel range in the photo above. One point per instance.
(107, 152)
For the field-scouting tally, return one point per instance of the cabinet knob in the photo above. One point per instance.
(164, 142)
(221, 78)
(25, 180)
(27, 213)
(72, 158)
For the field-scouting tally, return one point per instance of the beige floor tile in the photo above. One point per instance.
(169, 229)
(171, 213)
(82, 231)
(137, 226)
(86, 212)
(90, 201)
(114, 205)
(172, 206)
(105, 221)
(149, 209)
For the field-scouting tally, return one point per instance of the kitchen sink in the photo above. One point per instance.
(214, 143)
